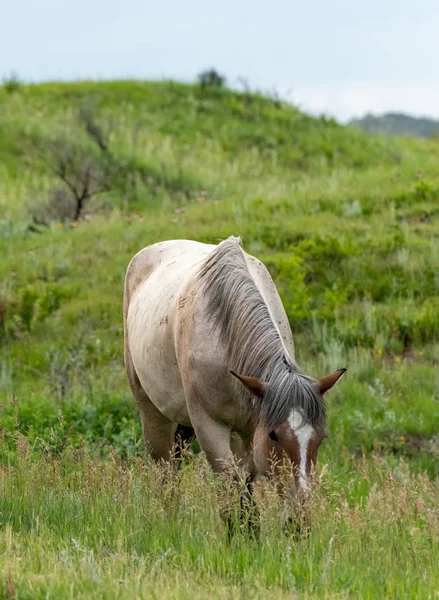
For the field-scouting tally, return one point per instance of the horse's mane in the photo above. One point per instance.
(254, 347)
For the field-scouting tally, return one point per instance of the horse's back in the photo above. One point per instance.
(162, 256)
(155, 285)
(163, 323)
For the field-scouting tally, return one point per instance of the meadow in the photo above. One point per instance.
(347, 224)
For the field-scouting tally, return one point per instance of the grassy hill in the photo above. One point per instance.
(398, 124)
(347, 224)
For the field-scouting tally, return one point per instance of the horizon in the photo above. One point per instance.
(340, 60)
(238, 88)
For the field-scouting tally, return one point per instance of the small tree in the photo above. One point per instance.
(211, 78)
(83, 169)
(83, 176)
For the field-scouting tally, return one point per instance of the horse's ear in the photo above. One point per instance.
(252, 384)
(327, 382)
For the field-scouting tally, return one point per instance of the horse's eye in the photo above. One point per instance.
(273, 436)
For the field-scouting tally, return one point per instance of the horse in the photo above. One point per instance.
(209, 353)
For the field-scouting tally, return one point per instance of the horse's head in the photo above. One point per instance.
(298, 435)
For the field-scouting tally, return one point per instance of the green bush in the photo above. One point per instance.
(37, 302)
(289, 274)
(12, 83)
(28, 300)
(423, 190)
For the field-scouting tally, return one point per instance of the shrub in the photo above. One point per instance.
(83, 175)
(36, 303)
(28, 299)
(60, 207)
(211, 78)
(424, 190)
(12, 83)
(289, 274)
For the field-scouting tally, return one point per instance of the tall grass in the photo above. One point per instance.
(74, 527)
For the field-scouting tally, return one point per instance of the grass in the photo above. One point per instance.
(77, 527)
(347, 224)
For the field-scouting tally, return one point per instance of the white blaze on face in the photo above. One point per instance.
(303, 432)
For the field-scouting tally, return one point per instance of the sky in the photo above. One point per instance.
(343, 58)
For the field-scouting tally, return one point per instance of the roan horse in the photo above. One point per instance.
(208, 348)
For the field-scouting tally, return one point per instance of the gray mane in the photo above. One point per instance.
(254, 347)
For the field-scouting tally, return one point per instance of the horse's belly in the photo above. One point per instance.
(150, 323)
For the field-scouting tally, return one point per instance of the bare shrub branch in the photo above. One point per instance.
(83, 176)
(93, 129)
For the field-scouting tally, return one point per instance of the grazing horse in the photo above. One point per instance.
(208, 348)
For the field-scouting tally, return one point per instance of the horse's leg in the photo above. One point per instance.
(250, 512)
(157, 431)
(215, 441)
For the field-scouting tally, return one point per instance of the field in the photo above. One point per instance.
(347, 224)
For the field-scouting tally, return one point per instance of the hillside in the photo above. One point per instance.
(347, 224)
(398, 124)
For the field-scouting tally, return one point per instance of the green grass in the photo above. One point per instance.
(74, 527)
(347, 224)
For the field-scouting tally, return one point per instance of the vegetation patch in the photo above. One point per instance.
(346, 223)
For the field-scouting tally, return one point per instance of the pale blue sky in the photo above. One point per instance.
(340, 57)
